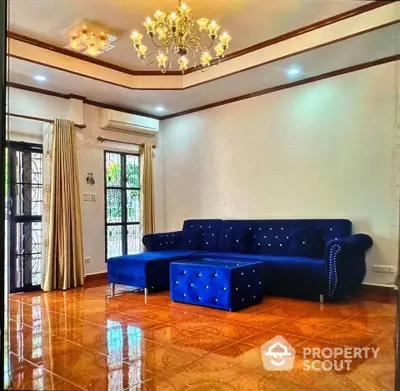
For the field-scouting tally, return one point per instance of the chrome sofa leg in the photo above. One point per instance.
(321, 299)
(113, 288)
(146, 292)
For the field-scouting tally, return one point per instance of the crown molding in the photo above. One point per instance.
(322, 23)
(82, 98)
(313, 79)
(303, 30)
(79, 56)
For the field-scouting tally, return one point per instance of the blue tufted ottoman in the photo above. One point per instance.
(217, 283)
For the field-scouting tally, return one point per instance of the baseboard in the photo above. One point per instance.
(95, 276)
(370, 285)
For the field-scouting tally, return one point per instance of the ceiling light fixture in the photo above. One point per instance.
(160, 109)
(40, 78)
(176, 35)
(293, 72)
(91, 39)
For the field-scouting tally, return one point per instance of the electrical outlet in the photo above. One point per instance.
(85, 196)
(383, 269)
(93, 197)
(88, 260)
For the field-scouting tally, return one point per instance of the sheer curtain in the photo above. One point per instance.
(63, 244)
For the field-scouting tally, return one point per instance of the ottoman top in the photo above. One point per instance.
(213, 262)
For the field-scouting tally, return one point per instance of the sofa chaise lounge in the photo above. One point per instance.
(301, 258)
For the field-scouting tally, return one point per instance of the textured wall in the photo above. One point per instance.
(325, 149)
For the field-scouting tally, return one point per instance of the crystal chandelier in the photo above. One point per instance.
(177, 35)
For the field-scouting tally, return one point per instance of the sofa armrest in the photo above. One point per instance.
(345, 261)
(161, 241)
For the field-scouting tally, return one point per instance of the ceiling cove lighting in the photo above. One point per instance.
(178, 39)
(40, 78)
(160, 109)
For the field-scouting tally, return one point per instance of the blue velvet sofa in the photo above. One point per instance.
(301, 258)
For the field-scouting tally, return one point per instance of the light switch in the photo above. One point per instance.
(93, 197)
(85, 196)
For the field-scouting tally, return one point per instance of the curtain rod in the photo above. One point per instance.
(101, 139)
(80, 126)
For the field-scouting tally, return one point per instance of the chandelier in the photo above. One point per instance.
(177, 35)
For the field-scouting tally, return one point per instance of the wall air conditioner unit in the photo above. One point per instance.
(128, 123)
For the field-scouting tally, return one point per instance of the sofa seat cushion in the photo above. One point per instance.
(301, 277)
(146, 270)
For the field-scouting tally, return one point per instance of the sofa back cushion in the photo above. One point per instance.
(279, 237)
(190, 239)
(210, 232)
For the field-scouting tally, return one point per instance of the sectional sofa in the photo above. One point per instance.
(300, 258)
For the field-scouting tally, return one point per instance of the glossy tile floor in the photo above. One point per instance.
(86, 339)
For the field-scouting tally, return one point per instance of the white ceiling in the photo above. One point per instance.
(248, 21)
(360, 49)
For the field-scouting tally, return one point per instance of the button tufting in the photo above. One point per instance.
(242, 299)
(199, 274)
(212, 234)
(237, 289)
(199, 297)
(184, 272)
(226, 236)
(209, 226)
(276, 237)
(176, 282)
(224, 288)
(192, 226)
(259, 282)
(191, 284)
(248, 286)
(190, 241)
(304, 242)
(201, 226)
(330, 229)
(260, 229)
(259, 244)
(270, 229)
(254, 270)
(281, 229)
(280, 245)
(249, 228)
(184, 294)
(206, 242)
(242, 274)
(215, 275)
(206, 286)
(287, 237)
(216, 300)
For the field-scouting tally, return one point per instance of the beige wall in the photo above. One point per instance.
(90, 155)
(324, 149)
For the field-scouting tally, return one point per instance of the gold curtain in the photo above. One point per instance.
(147, 189)
(64, 262)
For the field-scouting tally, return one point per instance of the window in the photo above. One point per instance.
(122, 204)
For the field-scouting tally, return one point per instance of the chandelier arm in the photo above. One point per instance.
(154, 43)
(211, 44)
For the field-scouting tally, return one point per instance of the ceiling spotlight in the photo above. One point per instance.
(293, 72)
(160, 109)
(40, 78)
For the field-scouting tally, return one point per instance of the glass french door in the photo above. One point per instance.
(24, 201)
(122, 203)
